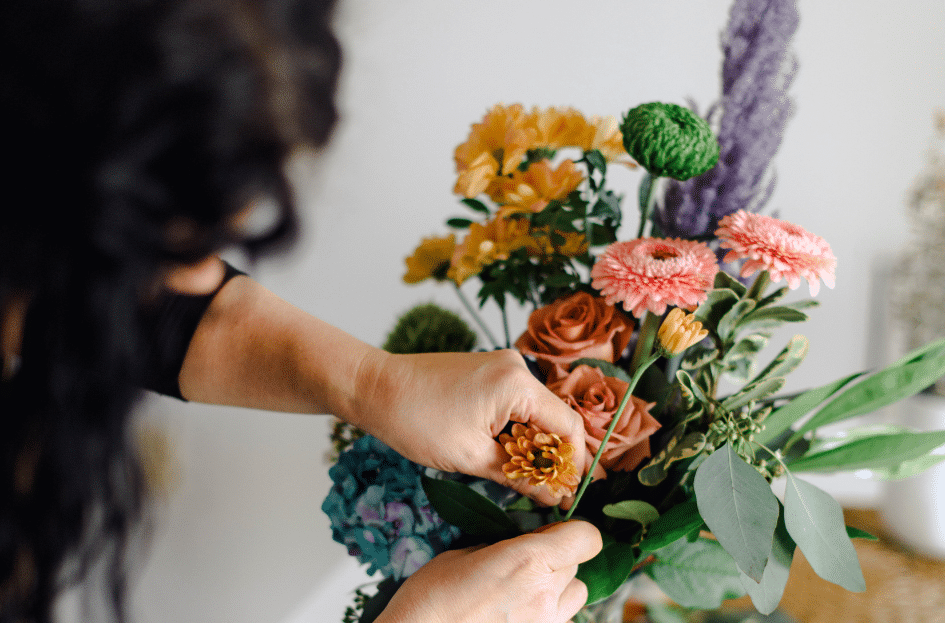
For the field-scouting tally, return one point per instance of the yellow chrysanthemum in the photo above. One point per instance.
(430, 259)
(557, 127)
(486, 243)
(530, 191)
(543, 458)
(603, 134)
(679, 331)
(495, 146)
(542, 244)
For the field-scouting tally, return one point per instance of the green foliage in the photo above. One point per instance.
(633, 510)
(428, 328)
(737, 504)
(696, 575)
(672, 525)
(815, 522)
(604, 573)
(766, 594)
(469, 511)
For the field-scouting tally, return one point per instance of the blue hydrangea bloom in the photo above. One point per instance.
(378, 510)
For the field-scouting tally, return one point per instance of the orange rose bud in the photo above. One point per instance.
(679, 331)
(543, 458)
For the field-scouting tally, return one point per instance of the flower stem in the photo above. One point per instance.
(647, 200)
(475, 316)
(505, 327)
(610, 429)
(645, 339)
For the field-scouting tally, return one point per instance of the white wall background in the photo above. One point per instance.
(242, 538)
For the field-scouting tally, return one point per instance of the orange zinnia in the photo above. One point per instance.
(543, 458)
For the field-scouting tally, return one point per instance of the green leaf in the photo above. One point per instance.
(466, 509)
(815, 522)
(856, 533)
(606, 367)
(878, 451)
(476, 205)
(782, 418)
(775, 316)
(633, 510)
(657, 612)
(723, 280)
(607, 571)
(690, 387)
(883, 388)
(676, 450)
(930, 350)
(697, 357)
(787, 360)
(774, 297)
(728, 325)
(646, 187)
(717, 303)
(672, 525)
(908, 469)
(379, 601)
(459, 223)
(766, 595)
(754, 392)
(737, 504)
(696, 575)
(596, 160)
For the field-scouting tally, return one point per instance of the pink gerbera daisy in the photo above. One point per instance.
(785, 250)
(652, 273)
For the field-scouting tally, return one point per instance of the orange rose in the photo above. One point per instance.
(580, 325)
(596, 397)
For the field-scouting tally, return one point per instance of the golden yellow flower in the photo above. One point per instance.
(543, 245)
(679, 331)
(486, 243)
(557, 127)
(543, 458)
(603, 134)
(430, 259)
(530, 191)
(495, 146)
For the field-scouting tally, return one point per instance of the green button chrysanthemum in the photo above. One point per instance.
(669, 140)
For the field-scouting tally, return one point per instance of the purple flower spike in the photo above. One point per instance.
(757, 70)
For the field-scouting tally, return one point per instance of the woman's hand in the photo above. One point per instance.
(528, 579)
(444, 410)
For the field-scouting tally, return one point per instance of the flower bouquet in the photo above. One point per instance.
(658, 342)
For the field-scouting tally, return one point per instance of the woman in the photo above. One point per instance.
(142, 133)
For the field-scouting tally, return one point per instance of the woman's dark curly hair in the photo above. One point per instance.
(136, 131)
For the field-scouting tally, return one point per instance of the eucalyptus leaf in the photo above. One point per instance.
(879, 452)
(634, 510)
(737, 504)
(696, 575)
(815, 522)
(767, 594)
(606, 367)
(672, 525)
(783, 417)
(883, 388)
(607, 571)
(471, 512)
